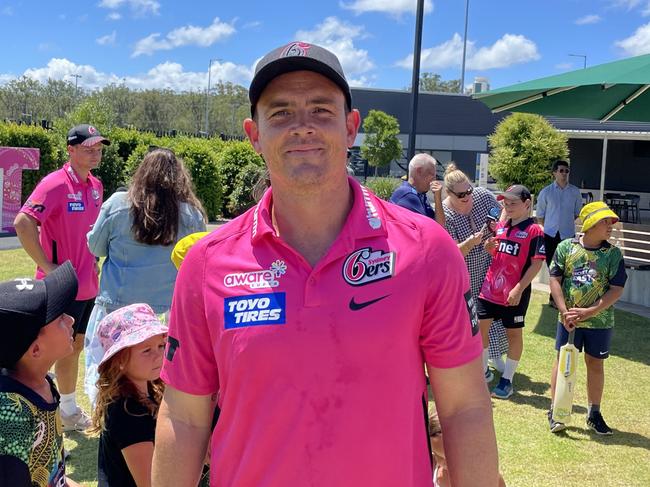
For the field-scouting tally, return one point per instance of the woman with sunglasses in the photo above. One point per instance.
(467, 216)
(136, 231)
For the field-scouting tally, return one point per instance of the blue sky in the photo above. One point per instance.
(169, 44)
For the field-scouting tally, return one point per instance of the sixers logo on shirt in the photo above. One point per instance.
(365, 266)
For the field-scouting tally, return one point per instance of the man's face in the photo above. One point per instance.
(426, 175)
(302, 130)
(86, 158)
(561, 174)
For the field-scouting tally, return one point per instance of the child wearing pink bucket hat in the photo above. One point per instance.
(129, 394)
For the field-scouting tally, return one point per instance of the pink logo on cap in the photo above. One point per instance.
(296, 49)
(92, 130)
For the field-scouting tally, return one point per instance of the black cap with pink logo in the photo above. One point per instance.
(86, 135)
(297, 56)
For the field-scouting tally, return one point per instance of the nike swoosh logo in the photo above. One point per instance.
(604, 353)
(354, 306)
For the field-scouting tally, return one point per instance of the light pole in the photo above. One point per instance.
(207, 98)
(415, 80)
(462, 71)
(76, 80)
(584, 59)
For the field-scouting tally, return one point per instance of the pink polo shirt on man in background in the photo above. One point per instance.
(320, 370)
(66, 208)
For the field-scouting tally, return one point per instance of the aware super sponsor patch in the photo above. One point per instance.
(255, 309)
(471, 310)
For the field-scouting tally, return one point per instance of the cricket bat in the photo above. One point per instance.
(566, 381)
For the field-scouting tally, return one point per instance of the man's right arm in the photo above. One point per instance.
(540, 209)
(183, 431)
(27, 231)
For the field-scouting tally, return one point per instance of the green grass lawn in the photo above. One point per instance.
(530, 455)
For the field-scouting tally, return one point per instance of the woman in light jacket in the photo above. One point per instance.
(136, 231)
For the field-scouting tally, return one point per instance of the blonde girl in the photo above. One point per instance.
(129, 393)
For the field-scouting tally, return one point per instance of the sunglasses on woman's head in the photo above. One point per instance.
(462, 194)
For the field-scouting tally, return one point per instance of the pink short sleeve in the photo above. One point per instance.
(45, 197)
(189, 363)
(449, 334)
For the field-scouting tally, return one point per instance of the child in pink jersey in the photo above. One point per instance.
(517, 254)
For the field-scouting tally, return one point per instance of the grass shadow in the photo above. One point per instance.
(539, 397)
(622, 438)
(631, 338)
(83, 456)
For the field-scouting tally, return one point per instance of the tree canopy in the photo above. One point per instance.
(381, 144)
(523, 148)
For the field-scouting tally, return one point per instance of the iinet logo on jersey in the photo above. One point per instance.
(508, 247)
(257, 279)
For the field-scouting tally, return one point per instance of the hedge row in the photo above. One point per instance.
(223, 173)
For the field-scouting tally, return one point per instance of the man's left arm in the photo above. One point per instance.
(577, 204)
(465, 413)
(451, 345)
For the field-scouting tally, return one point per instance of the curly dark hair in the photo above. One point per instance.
(160, 184)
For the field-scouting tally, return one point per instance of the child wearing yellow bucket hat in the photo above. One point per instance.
(587, 278)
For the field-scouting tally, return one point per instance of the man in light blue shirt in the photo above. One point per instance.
(558, 206)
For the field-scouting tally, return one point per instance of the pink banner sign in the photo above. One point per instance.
(13, 161)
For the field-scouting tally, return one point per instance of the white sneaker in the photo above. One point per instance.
(497, 364)
(79, 421)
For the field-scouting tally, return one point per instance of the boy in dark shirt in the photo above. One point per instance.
(37, 333)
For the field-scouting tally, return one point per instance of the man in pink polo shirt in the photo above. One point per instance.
(312, 315)
(65, 205)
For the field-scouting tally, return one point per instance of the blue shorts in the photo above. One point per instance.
(595, 341)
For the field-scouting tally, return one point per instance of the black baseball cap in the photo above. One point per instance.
(86, 135)
(297, 56)
(27, 305)
(516, 191)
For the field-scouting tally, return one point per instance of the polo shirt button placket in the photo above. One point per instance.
(312, 297)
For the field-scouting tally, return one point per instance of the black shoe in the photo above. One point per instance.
(555, 425)
(596, 422)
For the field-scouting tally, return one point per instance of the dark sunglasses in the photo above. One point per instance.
(563, 171)
(462, 194)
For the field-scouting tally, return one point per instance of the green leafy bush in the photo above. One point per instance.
(523, 148)
(52, 151)
(230, 162)
(383, 187)
(242, 198)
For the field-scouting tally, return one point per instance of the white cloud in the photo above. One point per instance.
(139, 7)
(166, 75)
(632, 4)
(393, 7)
(184, 36)
(107, 40)
(564, 66)
(252, 25)
(7, 11)
(588, 19)
(114, 16)
(510, 49)
(638, 43)
(339, 36)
